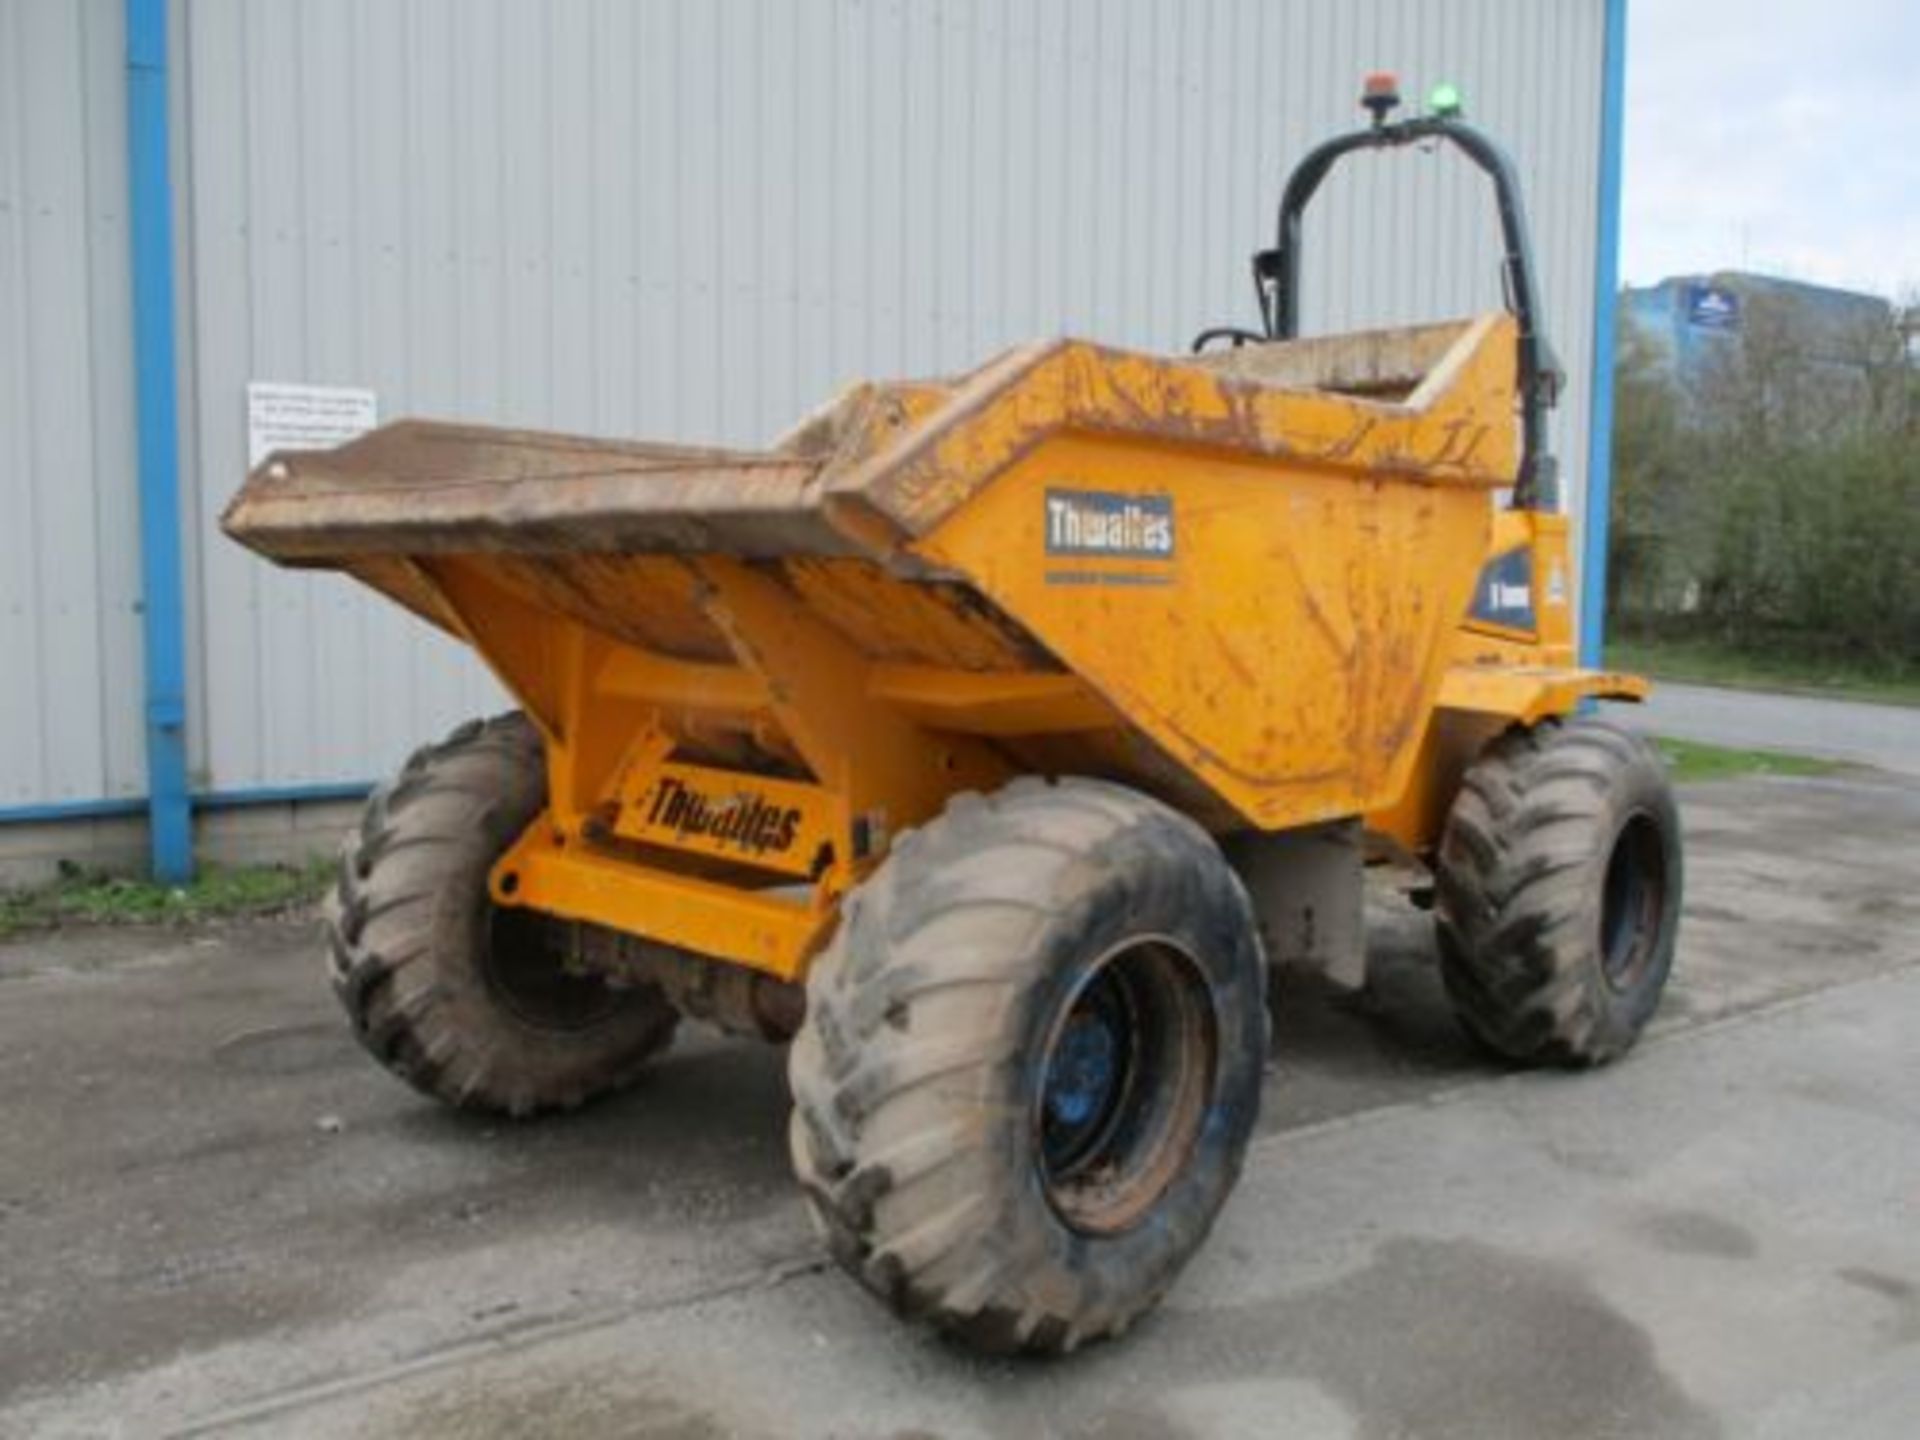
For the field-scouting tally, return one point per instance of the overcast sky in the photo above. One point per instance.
(1774, 135)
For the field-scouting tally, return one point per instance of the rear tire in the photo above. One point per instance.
(1557, 895)
(467, 1001)
(1031, 1064)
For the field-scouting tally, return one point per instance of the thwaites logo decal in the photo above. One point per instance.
(1107, 525)
(1504, 595)
(743, 820)
(1100, 522)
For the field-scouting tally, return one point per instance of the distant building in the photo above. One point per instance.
(1693, 320)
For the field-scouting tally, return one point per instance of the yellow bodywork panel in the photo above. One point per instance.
(709, 917)
(1199, 552)
(1526, 695)
(1267, 579)
(1272, 587)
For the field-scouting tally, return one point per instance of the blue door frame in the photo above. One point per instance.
(1596, 521)
(156, 402)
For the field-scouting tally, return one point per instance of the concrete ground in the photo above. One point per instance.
(1860, 732)
(216, 1216)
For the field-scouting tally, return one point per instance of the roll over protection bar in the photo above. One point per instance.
(1276, 272)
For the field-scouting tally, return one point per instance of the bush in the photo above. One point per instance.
(1767, 511)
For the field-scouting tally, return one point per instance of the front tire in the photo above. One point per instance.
(1031, 1064)
(1557, 894)
(470, 1002)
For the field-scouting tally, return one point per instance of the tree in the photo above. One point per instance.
(1772, 499)
(1652, 462)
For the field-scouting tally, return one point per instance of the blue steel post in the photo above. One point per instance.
(150, 212)
(1606, 286)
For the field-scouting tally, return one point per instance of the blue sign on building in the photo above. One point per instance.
(1711, 308)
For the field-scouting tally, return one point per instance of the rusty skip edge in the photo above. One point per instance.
(422, 488)
(867, 474)
(1008, 408)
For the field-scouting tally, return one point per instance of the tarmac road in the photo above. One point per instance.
(1859, 732)
(217, 1217)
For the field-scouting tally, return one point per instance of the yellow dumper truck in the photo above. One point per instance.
(989, 738)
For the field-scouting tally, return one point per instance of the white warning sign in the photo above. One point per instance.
(305, 417)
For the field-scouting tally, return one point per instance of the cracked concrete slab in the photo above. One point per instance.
(217, 1217)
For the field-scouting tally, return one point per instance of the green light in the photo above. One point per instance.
(1444, 100)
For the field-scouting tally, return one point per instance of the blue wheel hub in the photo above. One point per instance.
(1121, 1093)
(1081, 1078)
(1086, 1075)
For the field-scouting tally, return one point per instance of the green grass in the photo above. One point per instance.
(88, 897)
(1690, 761)
(1706, 663)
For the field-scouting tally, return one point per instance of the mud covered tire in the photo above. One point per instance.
(466, 1001)
(930, 1078)
(1557, 895)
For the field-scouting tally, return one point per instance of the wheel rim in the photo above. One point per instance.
(1633, 901)
(1125, 1080)
(524, 963)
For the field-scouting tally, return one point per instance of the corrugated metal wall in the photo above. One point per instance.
(70, 682)
(686, 221)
